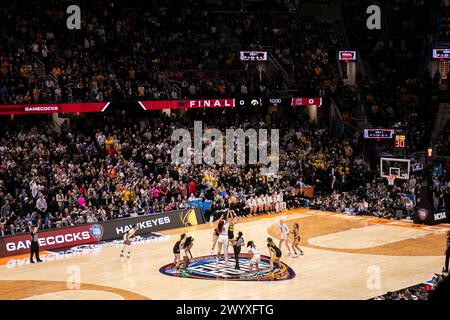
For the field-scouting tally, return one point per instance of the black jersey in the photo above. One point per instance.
(231, 231)
(296, 235)
(274, 249)
(176, 247)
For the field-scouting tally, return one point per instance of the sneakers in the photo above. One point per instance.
(39, 260)
(31, 261)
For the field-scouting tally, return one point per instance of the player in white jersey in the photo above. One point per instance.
(284, 230)
(127, 241)
(282, 204)
(260, 204)
(248, 205)
(276, 204)
(255, 256)
(222, 242)
(268, 201)
(254, 205)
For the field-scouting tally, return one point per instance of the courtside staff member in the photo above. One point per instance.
(34, 245)
(447, 253)
(238, 243)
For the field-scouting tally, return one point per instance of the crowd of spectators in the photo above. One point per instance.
(375, 199)
(94, 170)
(436, 290)
(97, 169)
(129, 53)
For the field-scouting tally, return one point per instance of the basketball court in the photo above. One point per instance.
(343, 256)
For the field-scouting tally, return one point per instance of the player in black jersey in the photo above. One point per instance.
(275, 254)
(185, 251)
(176, 251)
(295, 244)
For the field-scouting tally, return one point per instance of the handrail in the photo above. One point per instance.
(277, 64)
(337, 125)
(39, 61)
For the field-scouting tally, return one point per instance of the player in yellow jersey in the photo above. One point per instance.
(275, 254)
(295, 244)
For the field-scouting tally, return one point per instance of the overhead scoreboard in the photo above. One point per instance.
(399, 141)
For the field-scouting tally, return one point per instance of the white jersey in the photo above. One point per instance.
(284, 230)
(254, 203)
(225, 227)
(275, 198)
(253, 250)
(129, 234)
(223, 236)
(269, 200)
(256, 255)
(280, 197)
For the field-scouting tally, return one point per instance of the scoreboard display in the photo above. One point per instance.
(347, 55)
(441, 53)
(378, 133)
(400, 141)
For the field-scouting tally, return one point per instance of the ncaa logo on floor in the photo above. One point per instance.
(207, 268)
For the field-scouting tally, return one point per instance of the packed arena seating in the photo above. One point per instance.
(120, 55)
(94, 170)
(437, 290)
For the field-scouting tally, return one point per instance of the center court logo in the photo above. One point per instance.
(207, 268)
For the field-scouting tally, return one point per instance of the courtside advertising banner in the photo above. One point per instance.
(51, 239)
(115, 229)
(6, 109)
(434, 217)
(95, 232)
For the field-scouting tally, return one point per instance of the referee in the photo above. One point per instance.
(239, 241)
(34, 245)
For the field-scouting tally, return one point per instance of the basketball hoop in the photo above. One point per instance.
(391, 179)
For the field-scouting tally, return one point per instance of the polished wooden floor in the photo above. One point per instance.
(343, 254)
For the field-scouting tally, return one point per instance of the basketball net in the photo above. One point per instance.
(391, 179)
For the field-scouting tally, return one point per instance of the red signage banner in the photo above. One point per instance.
(53, 108)
(52, 239)
(187, 104)
(317, 101)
